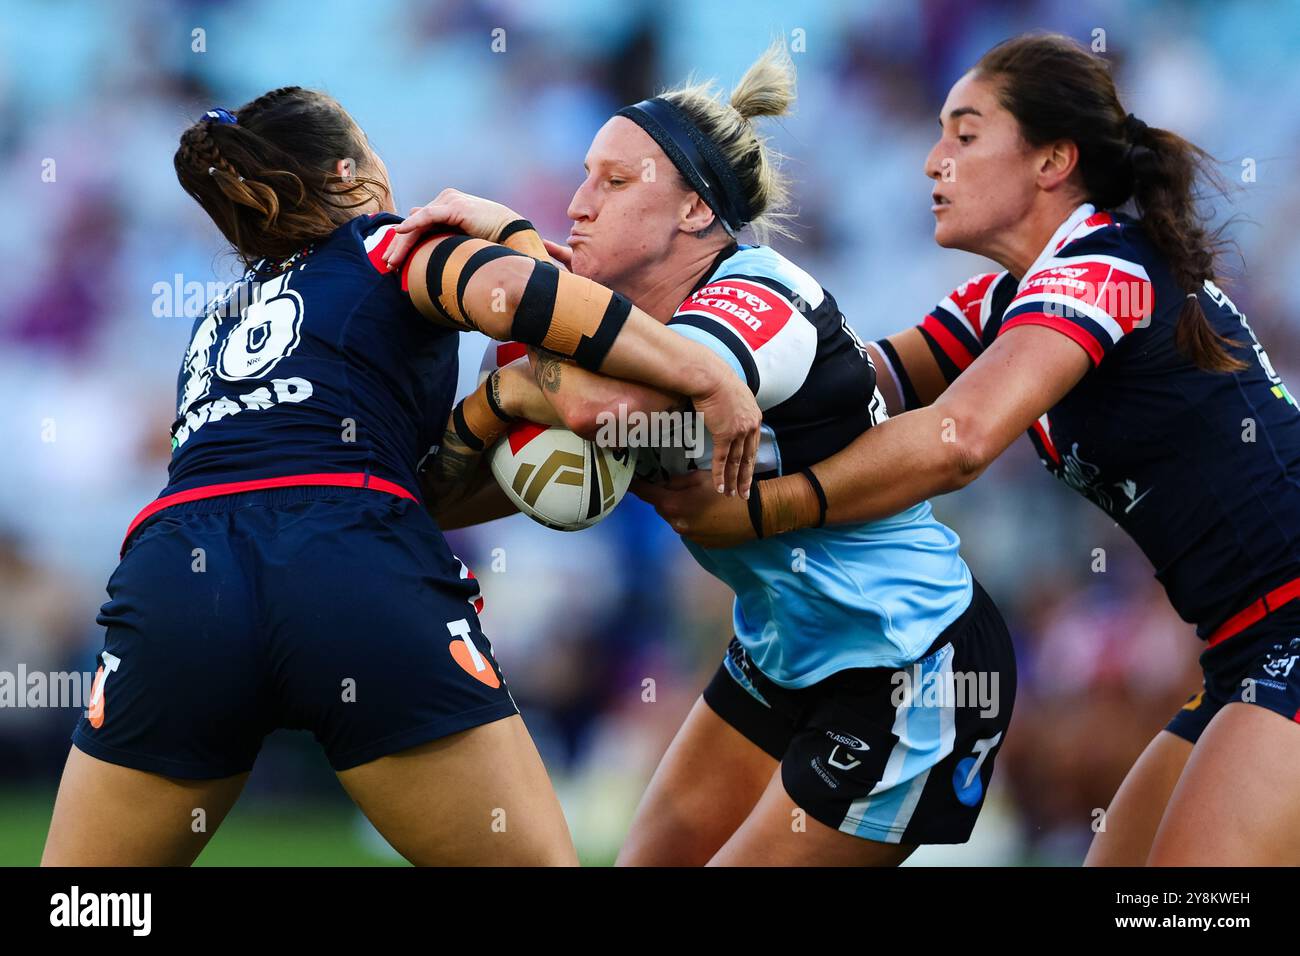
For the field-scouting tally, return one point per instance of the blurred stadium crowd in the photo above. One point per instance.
(582, 623)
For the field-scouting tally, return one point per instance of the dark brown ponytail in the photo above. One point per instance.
(1056, 89)
(268, 178)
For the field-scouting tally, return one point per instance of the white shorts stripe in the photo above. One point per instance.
(926, 735)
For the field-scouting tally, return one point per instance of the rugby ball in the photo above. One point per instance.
(551, 474)
(559, 479)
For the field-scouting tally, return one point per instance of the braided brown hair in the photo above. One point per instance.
(268, 180)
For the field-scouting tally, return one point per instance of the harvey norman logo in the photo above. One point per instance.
(735, 300)
(103, 909)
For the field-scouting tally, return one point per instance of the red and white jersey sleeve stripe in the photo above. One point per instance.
(1094, 299)
(1087, 284)
(956, 325)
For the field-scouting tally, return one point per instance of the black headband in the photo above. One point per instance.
(696, 157)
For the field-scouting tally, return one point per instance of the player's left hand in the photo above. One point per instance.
(693, 508)
(733, 420)
(472, 215)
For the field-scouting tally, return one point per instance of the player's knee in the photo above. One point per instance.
(682, 833)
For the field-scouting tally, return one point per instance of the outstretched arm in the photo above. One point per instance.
(904, 460)
(578, 395)
(470, 283)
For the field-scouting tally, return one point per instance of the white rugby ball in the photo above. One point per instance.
(551, 474)
(558, 479)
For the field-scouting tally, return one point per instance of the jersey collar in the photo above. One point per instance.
(1059, 238)
(730, 250)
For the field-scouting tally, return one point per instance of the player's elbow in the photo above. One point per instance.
(968, 466)
(968, 448)
(496, 298)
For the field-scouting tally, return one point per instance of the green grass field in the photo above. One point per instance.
(257, 833)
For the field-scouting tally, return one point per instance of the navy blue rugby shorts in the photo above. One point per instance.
(335, 610)
(1256, 666)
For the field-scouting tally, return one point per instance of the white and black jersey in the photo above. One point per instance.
(786, 337)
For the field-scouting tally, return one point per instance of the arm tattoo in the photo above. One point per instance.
(547, 371)
(447, 477)
(494, 382)
(455, 462)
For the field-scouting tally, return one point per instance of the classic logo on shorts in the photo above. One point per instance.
(849, 742)
(470, 659)
(95, 712)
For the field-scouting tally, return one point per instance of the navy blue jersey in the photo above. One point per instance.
(1202, 469)
(315, 371)
(316, 365)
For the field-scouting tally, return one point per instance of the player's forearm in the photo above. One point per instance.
(520, 235)
(476, 423)
(523, 397)
(647, 352)
(887, 469)
(469, 284)
(948, 444)
(485, 501)
(900, 463)
(601, 332)
(457, 482)
(584, 400)
(450, 477)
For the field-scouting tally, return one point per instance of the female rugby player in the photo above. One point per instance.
(1141, 386)
(821, 739)
(288, 575)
